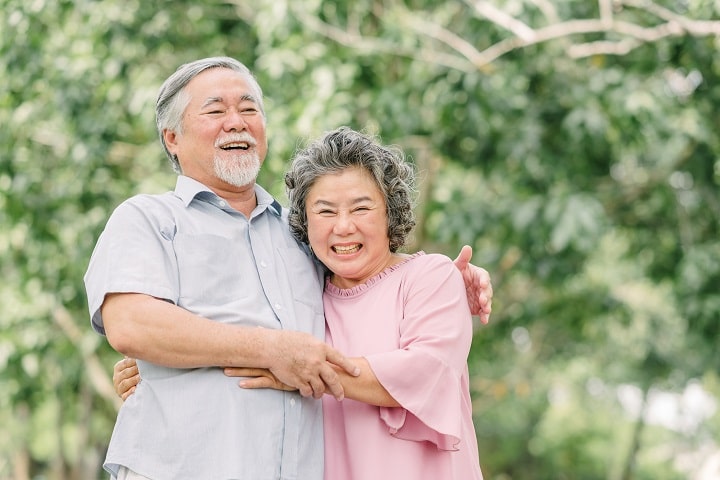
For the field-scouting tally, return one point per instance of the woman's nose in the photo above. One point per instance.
(344, 224)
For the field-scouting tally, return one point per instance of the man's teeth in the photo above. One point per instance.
(242, 145)
(346, 250)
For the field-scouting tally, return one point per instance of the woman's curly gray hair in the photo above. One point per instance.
(344, 148)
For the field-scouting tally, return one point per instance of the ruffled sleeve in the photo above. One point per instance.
(427, 375)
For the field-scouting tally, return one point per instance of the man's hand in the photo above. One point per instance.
(301, 361)
(477, 285)
(125, 377)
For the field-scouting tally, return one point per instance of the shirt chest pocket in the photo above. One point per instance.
(212, 268)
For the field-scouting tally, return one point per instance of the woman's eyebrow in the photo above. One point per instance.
(320, 201)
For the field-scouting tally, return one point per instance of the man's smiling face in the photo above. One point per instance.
(223, 138)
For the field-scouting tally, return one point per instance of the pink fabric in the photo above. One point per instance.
(413, 325)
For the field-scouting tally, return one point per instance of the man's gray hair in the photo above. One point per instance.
(173, 99)
(345, 148)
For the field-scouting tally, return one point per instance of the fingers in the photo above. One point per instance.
(483, 279)
(305, 390)
(479, 292)
(126, 387)
(486, 299)
(335, 357)
(332, 382)
(243, 372)
(257, 382)
(463, 258)
(318, 387)
(484, 318)
(308, 364)
(328, 381)
(312, 387)
(329, 376)
(125, 377)
(484, 308)
(125, 395)
(125, 368)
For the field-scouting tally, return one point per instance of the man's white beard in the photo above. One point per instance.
(239, 170)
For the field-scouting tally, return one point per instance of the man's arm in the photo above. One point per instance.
(477, 285)
(144, 327)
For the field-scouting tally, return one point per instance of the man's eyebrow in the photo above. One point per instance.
(211, 100)
(245, 98)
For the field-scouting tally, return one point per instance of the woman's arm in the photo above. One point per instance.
(364, 388)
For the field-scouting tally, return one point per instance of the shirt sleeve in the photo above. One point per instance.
(427, 375)
(134, 254)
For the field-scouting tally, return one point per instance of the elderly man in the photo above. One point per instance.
(208, 276)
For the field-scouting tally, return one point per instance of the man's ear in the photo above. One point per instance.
(170, 138)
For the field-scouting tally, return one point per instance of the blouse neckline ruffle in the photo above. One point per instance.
(363, 287)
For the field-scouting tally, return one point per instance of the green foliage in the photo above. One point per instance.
(588, 187)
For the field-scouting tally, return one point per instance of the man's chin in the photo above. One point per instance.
(237, 176)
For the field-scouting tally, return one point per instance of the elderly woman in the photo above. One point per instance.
(404, 318)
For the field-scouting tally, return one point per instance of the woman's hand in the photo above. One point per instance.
(125, 377)
(257, 378)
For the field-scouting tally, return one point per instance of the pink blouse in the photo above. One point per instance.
(413, 325)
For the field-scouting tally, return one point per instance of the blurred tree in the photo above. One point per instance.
(573, 144)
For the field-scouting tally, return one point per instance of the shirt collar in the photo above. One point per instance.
(189, 189)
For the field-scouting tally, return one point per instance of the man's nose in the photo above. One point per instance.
(235, 121)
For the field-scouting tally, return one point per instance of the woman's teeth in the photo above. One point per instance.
(346, 249)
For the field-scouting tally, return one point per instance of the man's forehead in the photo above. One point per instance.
(216, 78)
(209, 89)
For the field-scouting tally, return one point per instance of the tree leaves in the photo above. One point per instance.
(578, 156)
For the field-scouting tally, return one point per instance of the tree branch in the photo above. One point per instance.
(504, 20)
(98, 374)
(375, 45)
(465, 56)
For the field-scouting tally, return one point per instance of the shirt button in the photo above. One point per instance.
(278, 306)
(292, 402)
(263, 264)
(222, 203)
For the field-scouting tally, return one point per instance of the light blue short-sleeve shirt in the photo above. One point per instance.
(191, 248)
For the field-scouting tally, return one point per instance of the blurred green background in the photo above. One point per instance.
(573, 143)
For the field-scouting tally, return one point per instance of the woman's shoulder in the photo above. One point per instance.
(432, 266)
(428, 260)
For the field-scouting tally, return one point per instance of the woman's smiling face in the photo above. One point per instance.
(348, 226)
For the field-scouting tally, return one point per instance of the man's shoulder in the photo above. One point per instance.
(144, 208)
(148, 202)
(151, 199)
